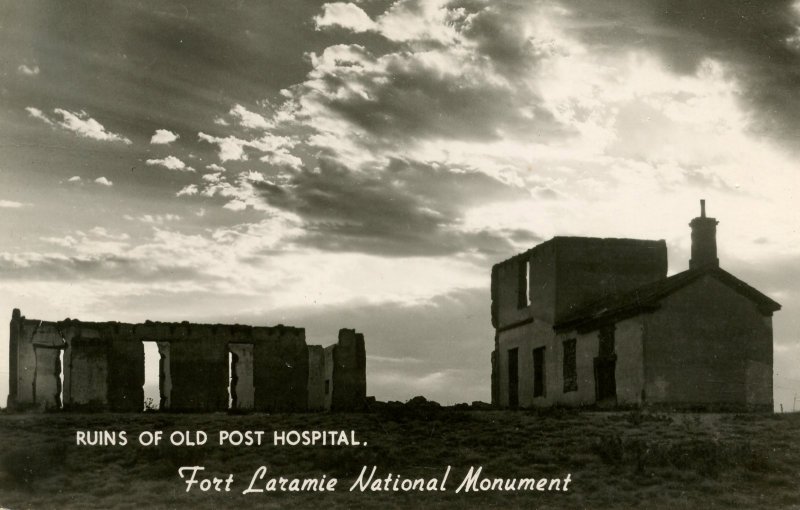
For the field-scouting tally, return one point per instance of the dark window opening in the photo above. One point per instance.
(513, 378)
(605, 365)
(570, 366)
(524, 283)
(538, 372)
(607, 341)
(327, 386)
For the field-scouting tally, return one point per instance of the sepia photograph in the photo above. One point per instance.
(399, 254)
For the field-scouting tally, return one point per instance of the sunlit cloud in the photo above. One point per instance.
(163, 137)
(170, 163)
(79, 123)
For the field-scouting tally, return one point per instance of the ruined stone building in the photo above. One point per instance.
(589, 321)
(202, 367)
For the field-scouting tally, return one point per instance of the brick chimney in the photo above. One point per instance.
(704, 240)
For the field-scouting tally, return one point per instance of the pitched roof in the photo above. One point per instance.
(646, 298)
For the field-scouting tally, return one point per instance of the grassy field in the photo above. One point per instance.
(615, 460)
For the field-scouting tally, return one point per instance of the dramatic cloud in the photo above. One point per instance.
(365, 163)
(170, 163)
(754, 39)
(163, 136)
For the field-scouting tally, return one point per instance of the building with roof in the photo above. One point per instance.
(588, 321)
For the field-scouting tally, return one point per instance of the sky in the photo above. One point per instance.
(364, 164)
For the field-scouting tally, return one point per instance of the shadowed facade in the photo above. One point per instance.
(588, 321)
(202, 367)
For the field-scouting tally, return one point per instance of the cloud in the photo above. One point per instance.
(74, 178)
(249, 119)
(275, 149)
(344, 15)
(154, 219)
(163, 136)
(79, 123)
(38, 114)
(28, 70)
(753, 39)
(212, 178)
(10, 204)
(103, 181)
(188, 190)
(230, 148)
(435, 94)
(170, 163)
(406, 209)
(215, 167)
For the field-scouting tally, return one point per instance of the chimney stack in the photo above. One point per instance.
(704, 240)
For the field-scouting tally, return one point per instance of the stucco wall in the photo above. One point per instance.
(589, 268)
(164, 376)
(586, 349)
(86, 373)
(199, 372)
(525, 338)
(47, 381)
(629, 369)
(349, 383)
(242, 376)
(281, 381)
(104, 366)
(125, 374)
(30, 334)
(316, 378)
(708, 345)
(329, 375)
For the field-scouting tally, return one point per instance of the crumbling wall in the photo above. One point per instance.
(316, 378)
(329, 376)
(34, 371)
(86, 373)
(104, 366)
(164, 376)
(47, 381)
(125, 372)
(199, 370)
(242, 391)
(349, 375)
(281, 381)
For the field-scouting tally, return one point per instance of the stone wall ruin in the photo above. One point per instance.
(202, 367)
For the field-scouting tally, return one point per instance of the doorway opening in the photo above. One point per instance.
(233, 379)
(152, 376)
(60, 368)
(538, 372)
(513, 378)
(241, 393)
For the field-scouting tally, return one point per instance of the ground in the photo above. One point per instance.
(615, 459)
